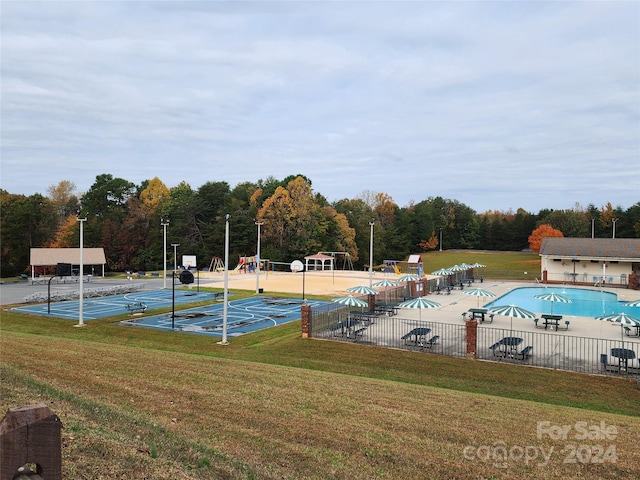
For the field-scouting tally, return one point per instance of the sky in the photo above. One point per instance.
(497, 105)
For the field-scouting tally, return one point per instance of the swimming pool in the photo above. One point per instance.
(584, 302)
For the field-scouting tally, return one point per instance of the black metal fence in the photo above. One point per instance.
(561, 352)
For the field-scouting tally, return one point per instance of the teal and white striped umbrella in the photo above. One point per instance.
(350, 301)
(386, 283)
(409, 277)
(635, 303)
(478, 265)
(363, 290)
(442, 272)
(419, 303)
(478, 292)
(621, 318)
(552, 297)
(512, 311)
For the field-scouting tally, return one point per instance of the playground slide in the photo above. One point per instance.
(239, 266)
(397, 270)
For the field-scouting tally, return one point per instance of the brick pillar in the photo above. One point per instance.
(544, 276)
(472, 338)
(305, 314)
(372, 303)
(633, 281)
(31, 435)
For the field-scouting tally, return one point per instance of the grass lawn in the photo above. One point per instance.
(138, 403)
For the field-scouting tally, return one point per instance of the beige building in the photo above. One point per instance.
(50, 257)
(591, 261)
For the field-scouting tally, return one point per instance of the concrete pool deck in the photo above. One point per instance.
(453, 305)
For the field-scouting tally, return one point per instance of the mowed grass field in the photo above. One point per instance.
(145, 404)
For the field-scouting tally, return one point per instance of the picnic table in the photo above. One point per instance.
(365, 317)
(479, 314)
(387, 309)
(506, 347)
(417, 336)
(551, 320)
(346, 327)
(623, 355)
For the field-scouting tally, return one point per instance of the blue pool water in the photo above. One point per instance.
(584, 302)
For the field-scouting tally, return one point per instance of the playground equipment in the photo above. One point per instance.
(391, 266)
(216, 265)
(246, 265)
(347, 264)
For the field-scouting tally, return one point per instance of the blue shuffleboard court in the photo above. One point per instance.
(243, 316)
(100, 307)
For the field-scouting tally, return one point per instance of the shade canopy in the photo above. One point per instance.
(442, 272)
(363, 290)
(420, 302)
(512, 311)
(478, 292)
(386, 283)
(635, 303)
(409, 277)
(552, 297)
(621, 318)
(350, 301)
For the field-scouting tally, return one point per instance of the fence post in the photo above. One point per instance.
(472, 338)
(305, 314)
(30, 435)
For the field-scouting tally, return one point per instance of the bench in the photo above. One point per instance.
(566, 325)
(497, 351)
(432, 341)
(608, 367)
(358, 333)
(217, 295)
(137, 307)
(525, 353)
(628, 333)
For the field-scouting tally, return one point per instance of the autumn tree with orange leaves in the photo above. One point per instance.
(543, 231)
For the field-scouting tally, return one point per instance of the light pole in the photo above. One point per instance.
(593, 220)
(80, 310)
(614, 220)
(440, 238)
(175, 256)
(259, 224)
(226, 281)
(165, 223)
(371, 223)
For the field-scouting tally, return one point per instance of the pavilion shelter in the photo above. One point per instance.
(596, 261)
(50, 257)
(319, 261)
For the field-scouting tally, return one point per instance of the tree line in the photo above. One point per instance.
(127, 221)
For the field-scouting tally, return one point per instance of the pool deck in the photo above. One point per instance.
(453, 305)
